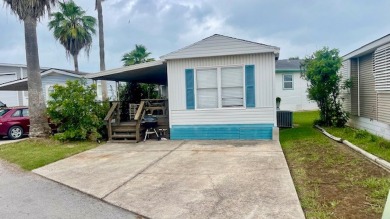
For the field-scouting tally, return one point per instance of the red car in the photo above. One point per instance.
(14, 122)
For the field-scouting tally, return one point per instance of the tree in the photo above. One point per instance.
(137, 56)
(73, 29)
(99, 8)
(73, 109)
(133, 92)
(30, 12)
(321, 70)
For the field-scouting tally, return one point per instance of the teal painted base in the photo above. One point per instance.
(222, 132)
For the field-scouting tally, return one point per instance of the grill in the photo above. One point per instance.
(150, 123)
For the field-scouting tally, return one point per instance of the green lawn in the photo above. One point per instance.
(332, 181)
(363, 139)
(33, 153)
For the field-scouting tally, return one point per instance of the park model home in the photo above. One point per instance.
(368, 100)
(218, 88)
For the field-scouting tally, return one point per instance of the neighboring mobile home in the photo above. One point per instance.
(12, 72)
(368, 100)
(17, 88)
(218, 88)
(291, 88)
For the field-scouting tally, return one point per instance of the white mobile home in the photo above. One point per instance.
(291, 87)
(14, 91)
(218, 88)
(368, 100)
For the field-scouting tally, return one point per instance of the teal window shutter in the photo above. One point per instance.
(190, 95)
(250, 85)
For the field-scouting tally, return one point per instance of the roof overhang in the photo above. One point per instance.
(154, 72)
(22, 85)
(368, 48)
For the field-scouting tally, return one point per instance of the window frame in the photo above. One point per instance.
(284, 82)
(219, 87)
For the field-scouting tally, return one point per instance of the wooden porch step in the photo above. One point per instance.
(124, 135)
(123, 129)
(122, 141)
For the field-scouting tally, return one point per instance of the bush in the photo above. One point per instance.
(74, 110)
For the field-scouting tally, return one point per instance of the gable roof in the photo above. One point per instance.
(368, 48)
(21, 84)
(219, 45)
(288, 65)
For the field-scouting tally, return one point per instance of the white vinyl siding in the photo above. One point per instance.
(206, 88)
(382, 68)
(288, 82)
(264, 91)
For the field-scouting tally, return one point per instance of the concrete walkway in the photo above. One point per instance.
(185, 179)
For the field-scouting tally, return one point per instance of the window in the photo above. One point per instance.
(3, 111)
(50, 89)
(232, 85)
(207, 88)
(17, 113)
(288, 82)
(25, 113)
(219, 87)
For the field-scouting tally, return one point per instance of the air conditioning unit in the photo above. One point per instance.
(284, 119)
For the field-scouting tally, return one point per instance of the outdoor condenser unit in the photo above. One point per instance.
(284, 119)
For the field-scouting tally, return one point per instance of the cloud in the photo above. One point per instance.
(298, 27)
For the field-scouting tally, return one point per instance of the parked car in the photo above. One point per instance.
(14, 122)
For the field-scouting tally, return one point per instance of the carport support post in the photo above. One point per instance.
(117, 90)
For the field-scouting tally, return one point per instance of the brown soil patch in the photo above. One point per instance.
(330, 180)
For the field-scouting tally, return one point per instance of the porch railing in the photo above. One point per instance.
(138, 118)
(109, 117)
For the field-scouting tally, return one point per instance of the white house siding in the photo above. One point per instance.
(346, 94)
(373, 126)
(11, 98)
(264, 97)
(384, 107)
(293, 99)
(368, 97)
(354, 88)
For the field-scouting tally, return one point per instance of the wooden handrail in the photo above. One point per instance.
(111, 111)
(138, 115)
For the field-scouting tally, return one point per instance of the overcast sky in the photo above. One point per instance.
(298, 27)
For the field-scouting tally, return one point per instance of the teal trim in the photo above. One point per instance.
(250, 85)
(222, 132)
(190, 94)
(287, 70)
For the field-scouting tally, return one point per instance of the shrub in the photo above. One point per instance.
(74, 110)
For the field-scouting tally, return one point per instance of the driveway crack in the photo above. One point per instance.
(144, 169)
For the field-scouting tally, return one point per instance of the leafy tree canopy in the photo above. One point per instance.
(74, 110)
(321, 70)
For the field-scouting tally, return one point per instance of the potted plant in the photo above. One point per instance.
(278, 100)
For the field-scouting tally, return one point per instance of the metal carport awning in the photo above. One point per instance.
(150, 72)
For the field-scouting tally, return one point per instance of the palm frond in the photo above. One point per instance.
(34, 9)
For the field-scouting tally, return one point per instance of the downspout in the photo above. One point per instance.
(358, 71)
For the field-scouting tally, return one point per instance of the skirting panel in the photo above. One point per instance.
(222, 132)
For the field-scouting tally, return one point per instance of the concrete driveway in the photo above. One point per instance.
(185, 179)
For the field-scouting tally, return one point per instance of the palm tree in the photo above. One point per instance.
(137, 56)
(73, 29)
(99, 8)
(30, 12)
